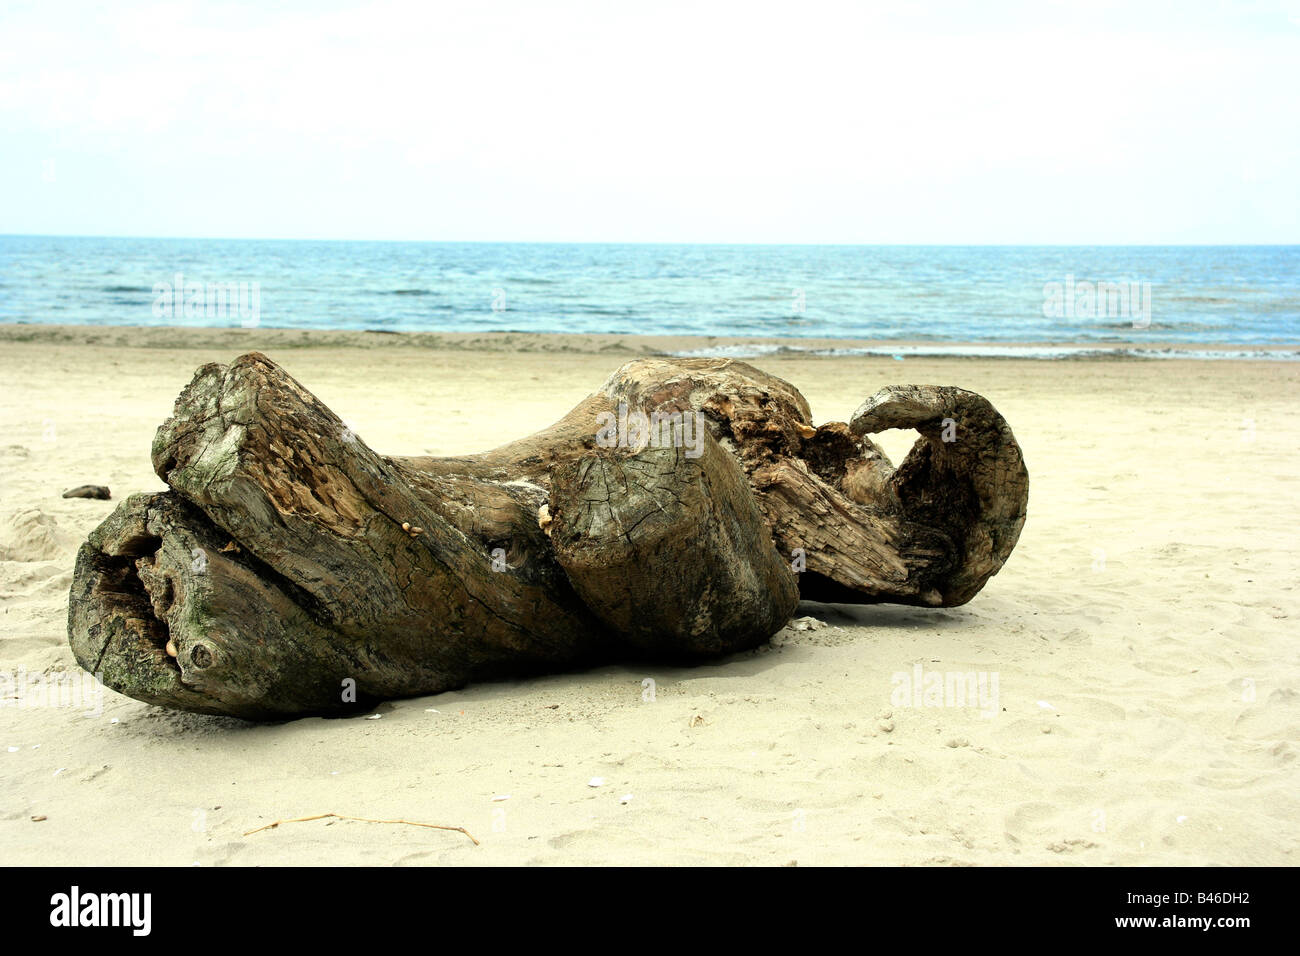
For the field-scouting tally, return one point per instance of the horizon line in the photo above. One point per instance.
(624, 242)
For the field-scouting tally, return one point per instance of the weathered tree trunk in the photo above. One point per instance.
(292, 570)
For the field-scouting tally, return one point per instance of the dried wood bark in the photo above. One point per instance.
(290, 569)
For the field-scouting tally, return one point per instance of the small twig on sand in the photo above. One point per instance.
(340, 816)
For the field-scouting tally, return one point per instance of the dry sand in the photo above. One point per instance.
(1142, 636)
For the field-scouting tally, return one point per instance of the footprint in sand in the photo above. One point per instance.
(32, 535)
(1227, 778)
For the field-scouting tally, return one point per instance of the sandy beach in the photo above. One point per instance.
(1140, 641)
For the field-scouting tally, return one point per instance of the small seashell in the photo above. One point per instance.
(544, 518)
(500, 797)
(1045, 705)
(415, 531)
(171, 648)
(39, 817)
(374, 716)
(807, 431)
(625, 799)
(406, 526)
(596, 782)
(13, 750)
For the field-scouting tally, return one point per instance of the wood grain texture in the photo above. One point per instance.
(290, 569)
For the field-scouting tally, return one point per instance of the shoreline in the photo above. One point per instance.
(741, 347)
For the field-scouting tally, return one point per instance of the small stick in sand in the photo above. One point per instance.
(89, 491)
(341, 816)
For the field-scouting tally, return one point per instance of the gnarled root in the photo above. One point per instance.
(684, 509)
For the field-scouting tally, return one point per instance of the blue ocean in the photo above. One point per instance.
(1218, 301)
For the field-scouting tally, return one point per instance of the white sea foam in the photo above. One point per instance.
(980, 350)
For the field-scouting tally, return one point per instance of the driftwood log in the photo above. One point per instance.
(680, 512)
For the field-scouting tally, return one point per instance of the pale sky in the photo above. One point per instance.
(987, 122)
